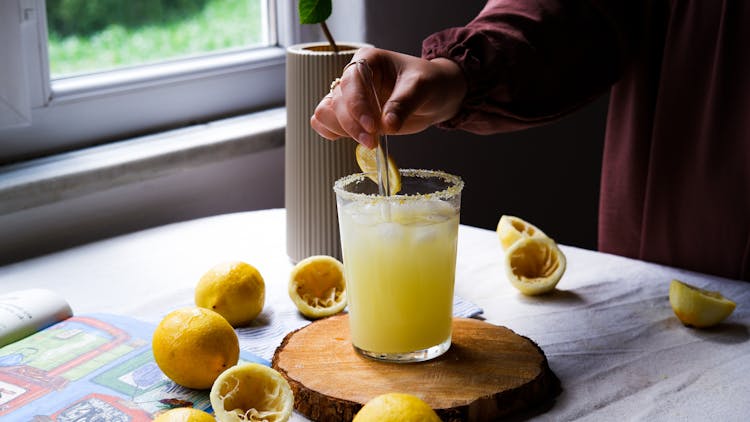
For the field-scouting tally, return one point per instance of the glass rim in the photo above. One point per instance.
(455, 188)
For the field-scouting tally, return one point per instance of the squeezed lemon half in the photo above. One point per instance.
(251, 392)
(533, 262)
(510, 229)
(193, 345)
(534, 265)
(698, 307)
(317, 286)
(184, 414)
(396, 407)
(235, 290)
(367, 161)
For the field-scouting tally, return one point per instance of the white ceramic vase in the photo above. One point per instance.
(313, 163)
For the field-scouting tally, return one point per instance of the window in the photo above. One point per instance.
(56, 105)
(89, 36)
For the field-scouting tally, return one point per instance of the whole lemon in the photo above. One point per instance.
(193, 345)
(235, 290)
(396, 407)
(184, 414)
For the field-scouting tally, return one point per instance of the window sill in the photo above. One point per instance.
(52, 179)
(157, 75)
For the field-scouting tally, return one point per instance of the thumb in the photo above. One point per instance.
(403, 102)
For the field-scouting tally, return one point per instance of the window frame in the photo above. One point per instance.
(74, 112)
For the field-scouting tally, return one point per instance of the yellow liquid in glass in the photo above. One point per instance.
(400, 273)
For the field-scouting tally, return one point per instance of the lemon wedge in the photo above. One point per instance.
(534, 265)
(698, 307)
(368, 164)
(511, 228)
(251, 392)
(317, 286)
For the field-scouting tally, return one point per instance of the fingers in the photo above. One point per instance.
(335, 117)
(350, 110)
(322, 124)
(415, 93)
(356, 108)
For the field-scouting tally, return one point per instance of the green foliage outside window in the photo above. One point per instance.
(92, 35)
(86, 17)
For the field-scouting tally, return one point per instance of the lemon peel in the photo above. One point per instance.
(317, 286)
(396, 407)
(534, 265)
(367, 161)
(697, 307)
(511, 228)
(251, 392)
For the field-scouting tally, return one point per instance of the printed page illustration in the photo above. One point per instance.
(97, 367)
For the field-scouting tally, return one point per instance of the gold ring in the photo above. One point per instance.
(334, 84)
(360, 61)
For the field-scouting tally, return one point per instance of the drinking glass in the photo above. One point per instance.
(399, 255)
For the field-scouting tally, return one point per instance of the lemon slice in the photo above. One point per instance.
(534, 265)
(317, 286)
(184, 414)
(697, 307)
(396, 407)
(251, 392)
(510, 229)
(368, 164)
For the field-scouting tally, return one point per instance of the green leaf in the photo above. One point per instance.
(314, 11)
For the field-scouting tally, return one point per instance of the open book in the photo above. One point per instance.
(58, 367)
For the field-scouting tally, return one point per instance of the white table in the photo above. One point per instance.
(609, 332)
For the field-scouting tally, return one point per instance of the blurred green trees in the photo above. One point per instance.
(93, 35)
(85, 17)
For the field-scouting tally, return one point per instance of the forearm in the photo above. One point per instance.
(528, 63)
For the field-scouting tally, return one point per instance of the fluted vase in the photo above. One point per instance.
(313, 163)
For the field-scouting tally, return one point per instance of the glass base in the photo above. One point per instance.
(415, 356)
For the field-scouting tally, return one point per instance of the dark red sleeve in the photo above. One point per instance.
(530, 62)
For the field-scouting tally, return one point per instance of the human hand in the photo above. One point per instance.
(414, 94)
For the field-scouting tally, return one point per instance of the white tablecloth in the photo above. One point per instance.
(609, 332)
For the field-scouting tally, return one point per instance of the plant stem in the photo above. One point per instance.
(329, 37)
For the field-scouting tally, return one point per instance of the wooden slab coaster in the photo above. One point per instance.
(488, 372)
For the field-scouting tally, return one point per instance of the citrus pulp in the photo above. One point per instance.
(251, 392)
(317, 286)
